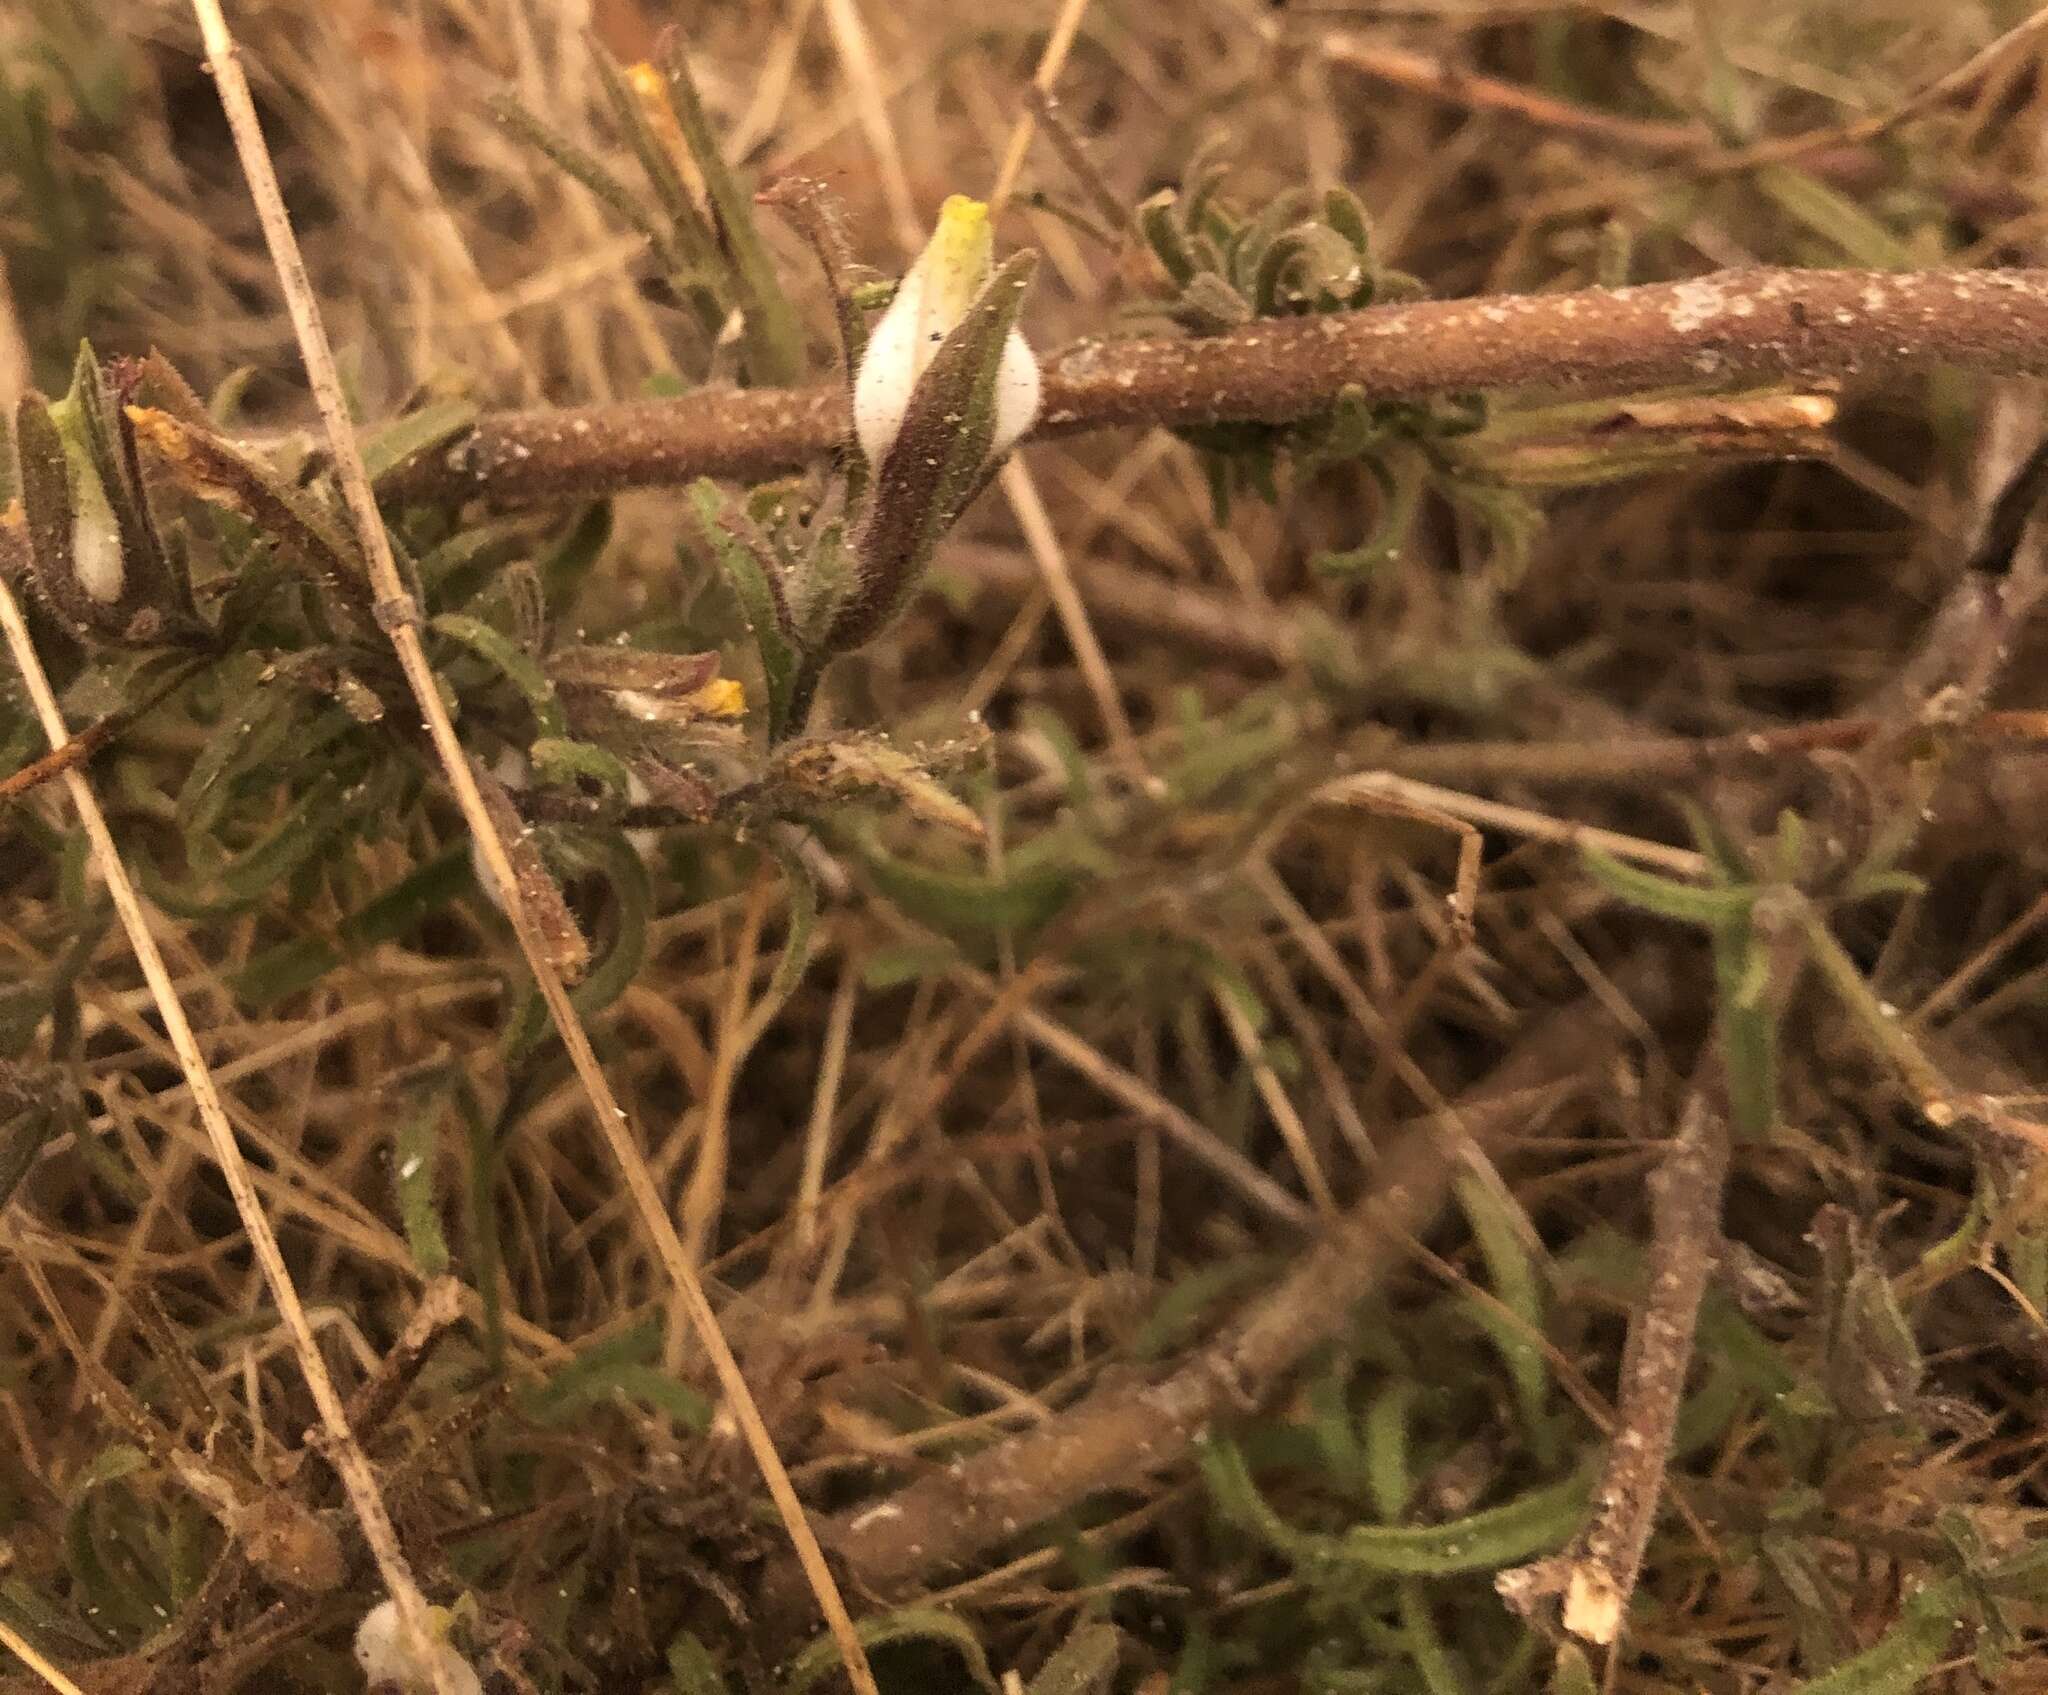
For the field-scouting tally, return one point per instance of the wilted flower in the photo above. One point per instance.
(390, 1662)
(930, 302)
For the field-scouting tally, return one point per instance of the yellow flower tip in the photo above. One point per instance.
(963, 230)
(650, 87)
(962, 212)
(722, 697)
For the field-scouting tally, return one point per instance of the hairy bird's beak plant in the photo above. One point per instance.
(942, 390)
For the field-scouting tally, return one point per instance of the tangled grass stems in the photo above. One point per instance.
(400, 617)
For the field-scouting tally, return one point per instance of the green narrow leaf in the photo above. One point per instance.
(621, 1364)
(28, 1121)
(112, 1599)
(1499, 1231)
(1499, 1536)
(315, 822)
(586, 169)
(795, 957)
(775, 339)
(1690, 903)
(692, 1670)
(1159, 223)
(907, 1624)
(414, 1152)
(1401, 491)
(612, 857)
(1389, 1478)
(558, 761)
(415, 435)
(297, 964)
(973, 904)
(486, 1254)
(570, 560)
(1572, 1674)
(1081, 1665)
(1440, 1674)
(1834, 217)
(1188, 1298)
(1905, 1656)
(513, 661)
(1749, 1028)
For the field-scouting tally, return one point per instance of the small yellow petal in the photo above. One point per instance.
(722, 697)
(651, 86)
(958, 259)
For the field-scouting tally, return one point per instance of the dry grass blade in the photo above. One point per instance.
(400, 617)
(29, 1655)
(1050, 63)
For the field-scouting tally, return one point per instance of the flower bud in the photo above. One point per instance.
(929, 304)
(391, 1662)
(95, 534)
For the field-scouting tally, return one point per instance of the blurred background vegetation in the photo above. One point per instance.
(973, 1060)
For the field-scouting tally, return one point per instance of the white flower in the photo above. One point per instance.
(930, 302)
(387, 1658)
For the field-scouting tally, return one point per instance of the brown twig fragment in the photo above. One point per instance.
(1399, 68)
(1122, 1434)
(1693, 143)
(1729, 327)
(1597, 1575)
(1625, 761)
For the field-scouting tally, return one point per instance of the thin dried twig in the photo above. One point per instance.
(1693, 143)
(1042, 541)
(1371, 787)
(1950, 85)
(1420, 74)
(856, 51)
(1050, 63)
(1597, 1575)
(1729, 327)
(1622, 760)
(29, 1655)
(401, 618)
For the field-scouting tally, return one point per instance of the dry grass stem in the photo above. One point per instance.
(401, 619)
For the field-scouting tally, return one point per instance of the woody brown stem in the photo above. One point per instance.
(1742, 326)
(1124, 1432)
(1596, 1577)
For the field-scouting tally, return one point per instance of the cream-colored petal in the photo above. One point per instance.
(889, 369)
(1017, 394)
